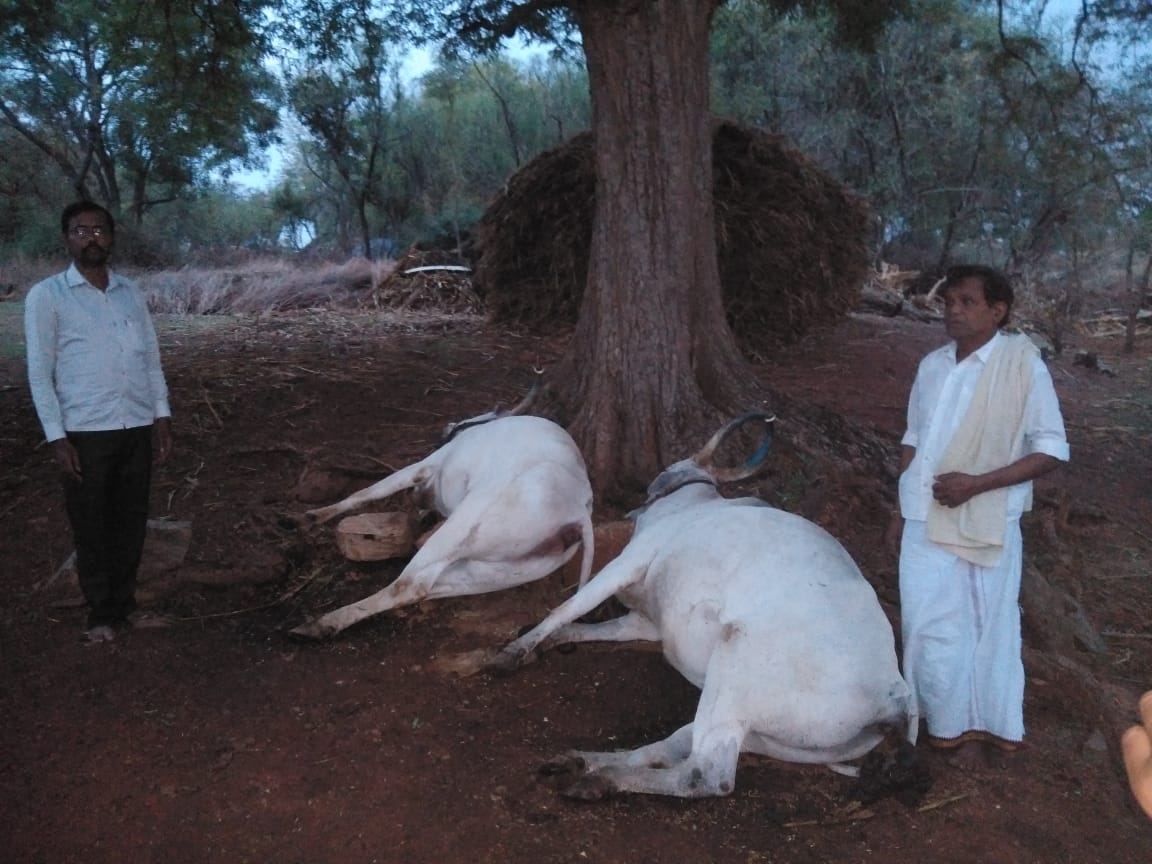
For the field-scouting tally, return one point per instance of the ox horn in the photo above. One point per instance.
(752, 464)
(524, 404)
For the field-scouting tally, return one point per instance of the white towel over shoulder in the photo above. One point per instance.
(991, 431)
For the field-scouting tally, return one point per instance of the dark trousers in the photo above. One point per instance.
(108, 510)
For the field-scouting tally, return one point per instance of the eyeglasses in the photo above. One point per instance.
(83, 231)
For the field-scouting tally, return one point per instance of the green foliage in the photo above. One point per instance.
(214, 224)
(970, 135)
(453, 139)
(131, 101)
(339, 88)
(969, 140)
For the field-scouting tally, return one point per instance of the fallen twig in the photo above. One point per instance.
(11, 507)
(211, 408)
(853, 812)
(287, 595)
(270, 448)
(934, 805)
(69, 562)
(1145, 537)
(1124, 634)
(307, 403)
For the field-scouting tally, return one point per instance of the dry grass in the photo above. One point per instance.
(23, 273)
(271, 285)
(276, 284)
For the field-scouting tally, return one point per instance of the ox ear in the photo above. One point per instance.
(750, 465)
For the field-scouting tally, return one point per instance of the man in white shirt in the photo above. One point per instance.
(983, 423)
(99, 391)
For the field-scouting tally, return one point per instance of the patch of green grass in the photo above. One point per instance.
(12, 330)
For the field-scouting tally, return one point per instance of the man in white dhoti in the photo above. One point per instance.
(983, 423)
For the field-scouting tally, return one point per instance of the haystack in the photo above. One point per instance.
(793, 242)
(425, 281)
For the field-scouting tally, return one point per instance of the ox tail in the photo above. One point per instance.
(908, 708)
(912, 726)
(587, 552)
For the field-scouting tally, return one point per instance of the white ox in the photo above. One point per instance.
(762, 610)
(518, 503)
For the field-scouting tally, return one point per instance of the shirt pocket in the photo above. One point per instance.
(131, 337)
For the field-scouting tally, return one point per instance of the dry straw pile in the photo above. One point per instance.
(793, 243)
(411, 286)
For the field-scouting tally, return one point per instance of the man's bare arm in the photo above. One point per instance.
(954, 488)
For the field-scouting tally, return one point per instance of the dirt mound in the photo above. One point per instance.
(792, 241)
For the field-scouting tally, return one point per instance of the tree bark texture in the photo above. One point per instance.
(652, 366)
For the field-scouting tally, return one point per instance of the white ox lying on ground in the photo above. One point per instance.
(518, 503)
(762, 610)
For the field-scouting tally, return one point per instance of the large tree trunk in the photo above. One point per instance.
(653, 365)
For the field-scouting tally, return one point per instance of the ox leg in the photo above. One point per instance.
(633, 627)
(451, 563)
(399, 593)
(605, 584)
(708, 769)
(473, 576)
(432, 581)
(705, 766)
(675, 748)
(411, 586)
(390, 485)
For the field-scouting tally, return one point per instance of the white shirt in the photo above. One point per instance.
(93, 359)
(940, 397)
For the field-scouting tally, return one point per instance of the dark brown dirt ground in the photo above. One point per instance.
(217, 740)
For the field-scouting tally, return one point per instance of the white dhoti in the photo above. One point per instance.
(961, 635)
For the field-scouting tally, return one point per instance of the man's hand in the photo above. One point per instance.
(162, 438)
(1137, 746)
(66, 457)
(954, 489)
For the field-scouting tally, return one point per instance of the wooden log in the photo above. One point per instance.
(375, 536)
(609, 538)
(878, 301)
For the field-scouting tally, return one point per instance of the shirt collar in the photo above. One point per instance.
(984, 351)
(74, 278)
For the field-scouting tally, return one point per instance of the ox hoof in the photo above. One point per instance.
(318, 517)
(504, 663)
(563, 766)
(589, 787)
(310, 631)
(293, 521)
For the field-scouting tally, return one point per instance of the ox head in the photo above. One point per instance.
(454, 429)
(702, 467)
